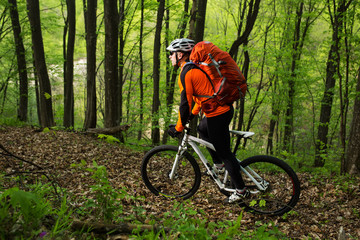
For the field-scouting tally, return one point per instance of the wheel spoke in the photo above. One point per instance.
(282, 191)
(156, 168)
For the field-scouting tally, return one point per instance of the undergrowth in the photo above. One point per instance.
(37, 213)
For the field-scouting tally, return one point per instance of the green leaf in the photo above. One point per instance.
(262, 203)
(253, 203)
(47, 95)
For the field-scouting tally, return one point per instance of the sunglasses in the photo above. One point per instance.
(171, 53)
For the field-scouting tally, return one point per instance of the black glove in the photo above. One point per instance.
(172, 131)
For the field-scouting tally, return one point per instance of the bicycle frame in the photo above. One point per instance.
(193, 142)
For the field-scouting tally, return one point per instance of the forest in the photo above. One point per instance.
(97, 73)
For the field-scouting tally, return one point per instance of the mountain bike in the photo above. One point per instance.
(173, 172)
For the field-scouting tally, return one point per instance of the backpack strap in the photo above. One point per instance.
(194, 65)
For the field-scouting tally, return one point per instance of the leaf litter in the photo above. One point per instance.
(326, 203)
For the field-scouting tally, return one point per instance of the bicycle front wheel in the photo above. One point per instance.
(280, 186)
(157, 165)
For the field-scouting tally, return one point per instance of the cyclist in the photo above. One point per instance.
(214, 127)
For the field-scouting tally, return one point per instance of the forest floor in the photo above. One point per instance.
(326, 203)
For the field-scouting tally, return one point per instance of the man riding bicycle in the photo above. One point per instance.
(214, 127)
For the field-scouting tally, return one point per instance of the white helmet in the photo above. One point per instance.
(181, 45)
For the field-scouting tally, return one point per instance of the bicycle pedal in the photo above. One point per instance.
(206, 173)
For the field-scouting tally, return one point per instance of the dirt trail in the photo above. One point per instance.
(325, 205)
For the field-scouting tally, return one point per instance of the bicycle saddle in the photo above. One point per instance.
(242, 133)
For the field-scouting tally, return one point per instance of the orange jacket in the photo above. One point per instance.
(192, 83)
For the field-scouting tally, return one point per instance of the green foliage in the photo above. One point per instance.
(27, 206)
(291, 213)
(26, 214)
(184, 222)
(12, 121)
(232, 229)
(345, 184)
(106, 204)
(265, 231)
(63, 220)
(46, 130)
(108, 138)
(222, 29)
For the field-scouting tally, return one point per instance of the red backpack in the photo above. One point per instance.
(228, 82)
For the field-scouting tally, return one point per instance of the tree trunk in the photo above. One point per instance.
(155, 132)
(172, 71)
(200, 20)
(252, 11)
(37, 90)
(352, 157)
(90, 28)
(21, 61)
(128, 105)
(344, 89)
(121, 58)
(3, 88)
(169, 86)
(197, 28)
(275, 113)
(300, 34)
(242, 38)
(69, 65)
(185, 19)
(192, 20)
(111, 63)
(331, 71)
(245, 70)
(45, 101)
(289, 115)
(141, 63)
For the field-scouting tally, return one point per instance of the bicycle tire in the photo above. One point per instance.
(283, 191)
(156, 166)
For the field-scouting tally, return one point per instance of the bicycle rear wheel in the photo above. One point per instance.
(282, 189)
(156, 167)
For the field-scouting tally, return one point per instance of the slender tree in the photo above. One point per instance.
(248, 12)
(4, 87)
(275, 112)
(155, 131)
(337, 12)
(274, 79)
(344, 86)
(69, 30)
(169, 68)
(296, 52)
(303, 21)
(121, 57)
(141, 65)
(196, 32)
(45, 100)
(91, 36)
(193, 13)
(252, 11)
(21, 61)
(111, 63)
(200, 20)
(352, 157)
(172, 74)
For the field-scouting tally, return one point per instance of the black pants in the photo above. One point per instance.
(216, 131)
